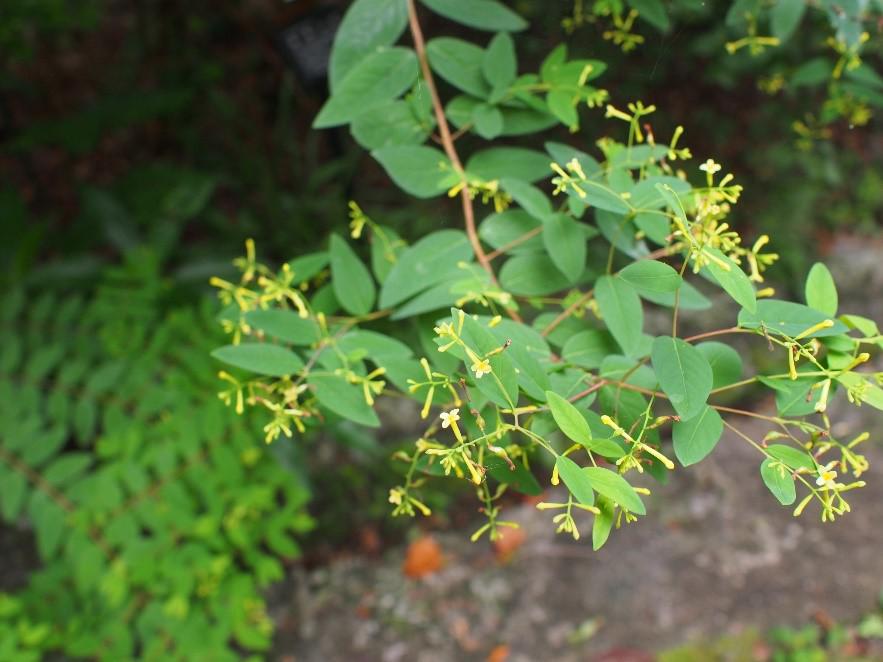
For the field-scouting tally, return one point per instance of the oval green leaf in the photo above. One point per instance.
(651, 276)
(683, 374)
(422, 171)
(260, 358)
(779, 481)
(376, 80)
(568, 418)
(821, 292)
(576, 479)
(615, 487)
(621, 309)
(696, 438)
(352, 282)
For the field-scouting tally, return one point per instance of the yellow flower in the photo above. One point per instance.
(827, 475)
(449, 417)
(444, 329)
(481, 367)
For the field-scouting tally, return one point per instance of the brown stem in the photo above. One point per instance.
(446, 139)
(515, 242)
(567, 312)
(448, 144)
(718, 332)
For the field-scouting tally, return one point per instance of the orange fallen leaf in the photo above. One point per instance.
(509, 541)
(424, 556)
(499, 653)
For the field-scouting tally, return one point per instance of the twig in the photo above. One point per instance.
(448, 145)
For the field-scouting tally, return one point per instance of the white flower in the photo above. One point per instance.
(827, 475)
(710, 166)
(481, 367)
(449, 417)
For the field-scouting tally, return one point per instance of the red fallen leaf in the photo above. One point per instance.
(509, 541)
(499, 653)
(625, 655)
(424, 556)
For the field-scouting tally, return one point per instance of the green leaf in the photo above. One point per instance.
(683, 374)
(13, 489)
(379, 78)
(516, 162)
(372, 346)
(562, 104)
(867, 327)
(487, 15)
(562, 155)
(576, 479)
(393, 123)
(48, 520)
(651, 276)
(621, 310)
(603, 523)
(260, 358)
(66, 468)
(344, 399)
(436, 297)
(652, 11)
(568, 418)
(517, 120)
(352, 282)
(533, 274)
(725, 362)
(619, 230)
(689, 298)
(459, 63)
(285, 325)
(646, 195)
(307, 266)
(793, 457)
(789, 319)
(821, 292)
(367, 26)
(527, 349)
(500, 65)
(518, 478)
(779, 481)
(785, 16)
(422, 171)
(791, 395)
(386, 246)
(670, 195)
(869, 392)
(488, 121)
(501, 386)
(814, 72)
(734, 281)
(601, 196)
(656, 226)
(566, 245)
(430, 261)
(501, 229)
(588, 349)
(530, 198)
(615, 487)
(697, 437)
